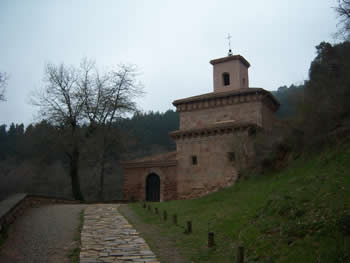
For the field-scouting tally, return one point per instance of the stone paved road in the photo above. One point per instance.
(42, 235)
(108, 237)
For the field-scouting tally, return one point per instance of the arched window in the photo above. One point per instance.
(226, 79)
(194, 160)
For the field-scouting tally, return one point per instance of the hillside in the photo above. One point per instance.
(289, 98)
(297, 215)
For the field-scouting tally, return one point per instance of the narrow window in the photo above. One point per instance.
(226, 79)
(243, 80)
(231, 156)
(252, 132)
(194, 159)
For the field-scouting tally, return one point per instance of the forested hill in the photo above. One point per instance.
(33, 159)
(145, 132)
(289, 97)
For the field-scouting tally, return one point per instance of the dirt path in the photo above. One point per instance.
(42, 235)
(164, 248)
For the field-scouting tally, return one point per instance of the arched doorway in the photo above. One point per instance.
(153, 188)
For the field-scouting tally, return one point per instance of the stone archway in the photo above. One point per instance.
(153, 188)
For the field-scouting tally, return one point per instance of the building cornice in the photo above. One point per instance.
(230, 58)
(160, 160)
(219, 99)
(143, 164)
(213, 130)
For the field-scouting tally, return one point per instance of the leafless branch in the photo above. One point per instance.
(343, 11)
(3, 85)
(77, 96)
(111, 95)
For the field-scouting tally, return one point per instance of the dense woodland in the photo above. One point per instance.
(144, 133)
(33, 158)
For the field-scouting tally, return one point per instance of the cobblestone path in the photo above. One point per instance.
(108, 237)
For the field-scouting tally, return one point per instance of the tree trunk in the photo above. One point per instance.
(74, 168)
(102, 168)
(102, 178)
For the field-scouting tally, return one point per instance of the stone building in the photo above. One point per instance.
(212, 128)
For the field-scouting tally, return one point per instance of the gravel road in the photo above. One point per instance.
(42, 235)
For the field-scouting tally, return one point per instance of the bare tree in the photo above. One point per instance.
(60, 103)
(343, 10)
(76, 97)
(3, 84)
(107, 97)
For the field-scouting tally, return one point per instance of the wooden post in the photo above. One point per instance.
(211, 241)
(175, 219)
(240, 254)
(165, 215)
(156, 211)
(189, 227)
(149, 207)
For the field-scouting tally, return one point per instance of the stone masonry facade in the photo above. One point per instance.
(210, 124)
(136, 173)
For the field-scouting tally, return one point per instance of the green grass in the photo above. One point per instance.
(288, 216)
(75, 253)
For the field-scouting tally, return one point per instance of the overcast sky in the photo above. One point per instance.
(171, 42)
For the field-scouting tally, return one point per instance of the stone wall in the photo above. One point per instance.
(215, 168)
(52, 179)
(135, 182)
(268, 117)
(247, 112)
(213, 144)
(15, 205)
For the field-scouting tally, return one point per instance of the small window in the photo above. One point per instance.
(252, 131)
(194, 160)
(243, 81)
(226, 79)
(231, 156)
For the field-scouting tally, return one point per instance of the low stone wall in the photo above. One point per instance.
(15, 205)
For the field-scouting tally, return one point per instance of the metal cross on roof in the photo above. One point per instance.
(229, 45)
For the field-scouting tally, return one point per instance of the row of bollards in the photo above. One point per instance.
(240, 254)
(188, 230)
(189, 227)
(211, 242)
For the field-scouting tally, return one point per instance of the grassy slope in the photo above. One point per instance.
(290, 216)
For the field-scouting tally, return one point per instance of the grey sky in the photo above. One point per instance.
(171, 42)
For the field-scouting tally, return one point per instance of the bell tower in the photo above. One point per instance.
(230, 73)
